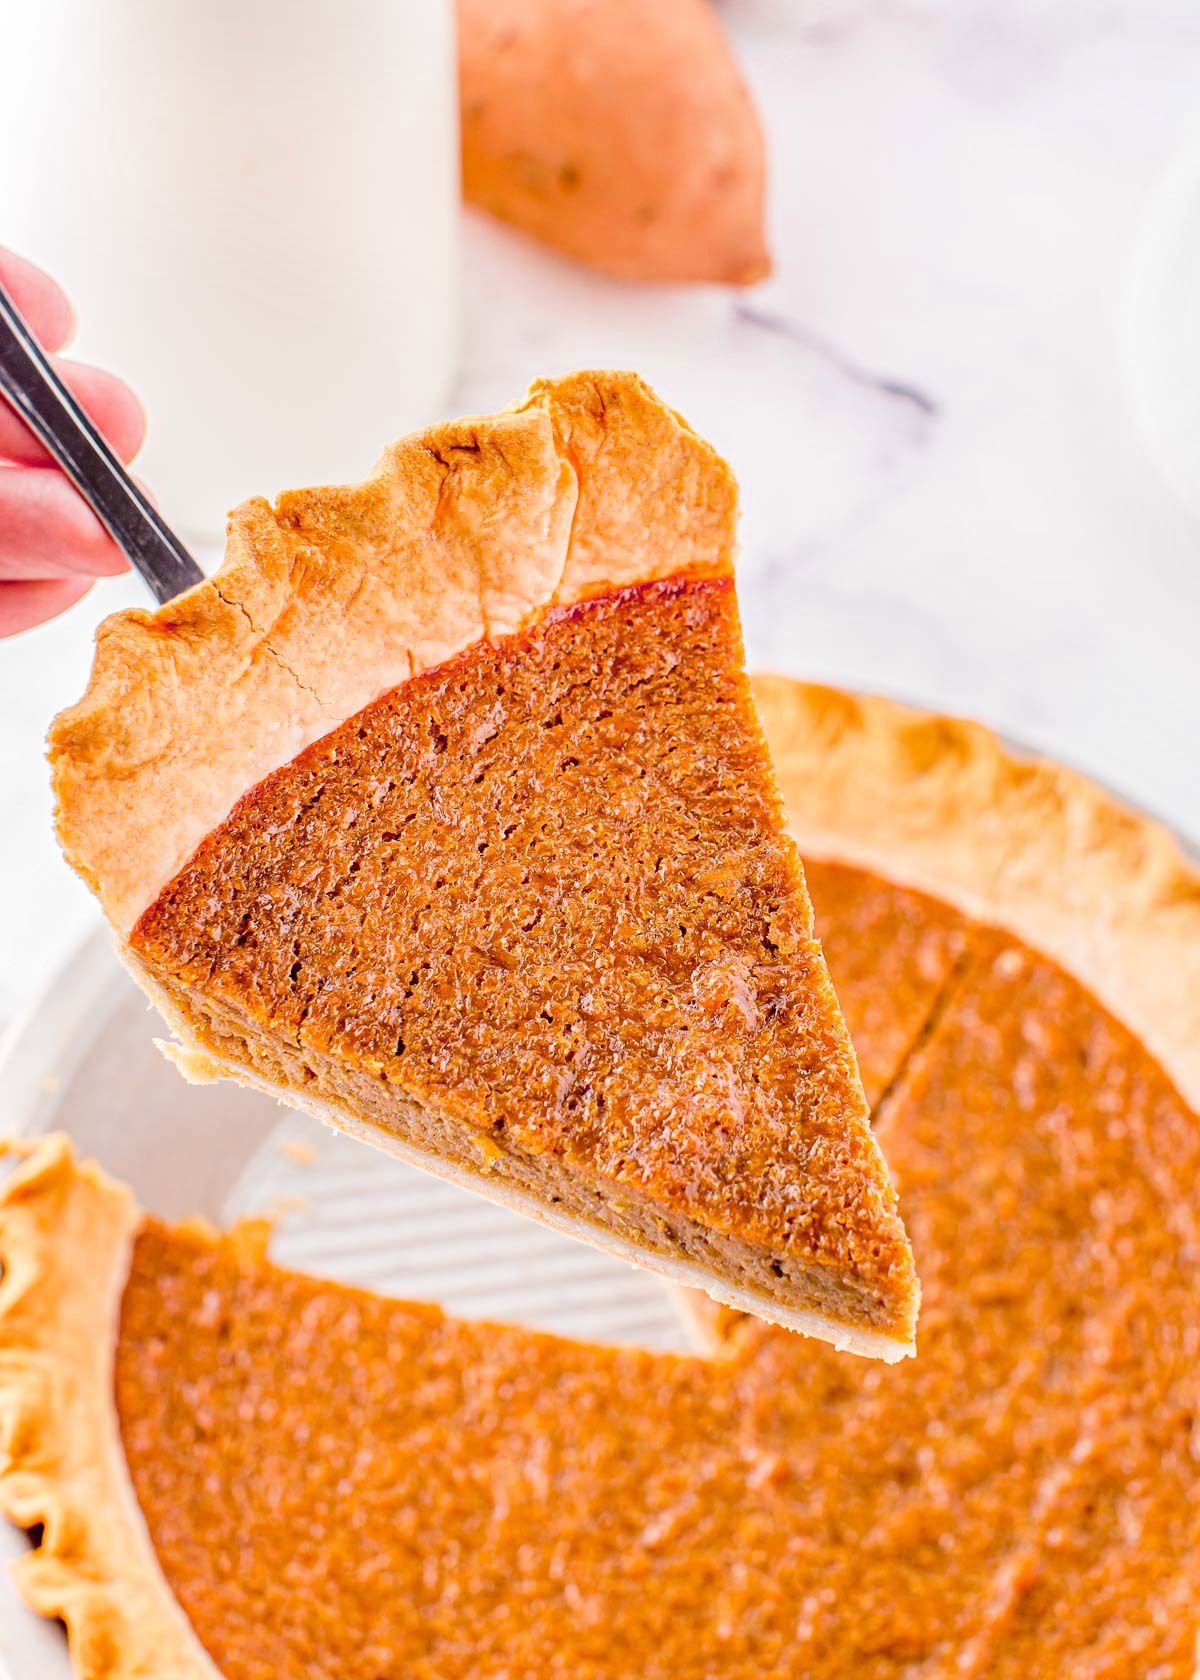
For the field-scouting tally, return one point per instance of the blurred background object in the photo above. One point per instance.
(1163, 326)
(255, 203)
(622, 133)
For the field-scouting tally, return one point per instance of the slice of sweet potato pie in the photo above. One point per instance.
(442, 811)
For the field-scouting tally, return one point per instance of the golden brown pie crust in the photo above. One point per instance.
(336, 595)
(66, 1236)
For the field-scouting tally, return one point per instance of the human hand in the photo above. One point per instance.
(52, 546)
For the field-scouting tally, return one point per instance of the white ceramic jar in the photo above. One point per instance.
(254, 204)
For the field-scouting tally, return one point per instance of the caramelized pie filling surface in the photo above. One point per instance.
(892, 952)
(339, 1484)
(544, 889)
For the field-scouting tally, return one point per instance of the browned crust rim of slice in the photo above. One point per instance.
(466, 531)
(66, 1234)
(943, 805)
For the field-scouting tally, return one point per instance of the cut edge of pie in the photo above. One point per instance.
(944, 805)
(66, 1238)
(465, 535)
(198, 1067)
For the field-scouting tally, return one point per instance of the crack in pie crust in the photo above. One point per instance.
(330, 1482)
(443, 812)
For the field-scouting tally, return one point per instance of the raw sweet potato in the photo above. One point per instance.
(619, 131)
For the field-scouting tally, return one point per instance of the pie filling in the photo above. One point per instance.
(893, 953)
(534, 913)
(340, 1484)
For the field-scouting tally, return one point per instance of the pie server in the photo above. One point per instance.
(32, 388)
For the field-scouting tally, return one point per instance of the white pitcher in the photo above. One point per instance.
(254, 205)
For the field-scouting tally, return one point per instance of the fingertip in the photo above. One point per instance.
(47, 531)
(68, 329)
(116, 409)
(41, 300)
(25, 605)
(147, 492)
(108, 401)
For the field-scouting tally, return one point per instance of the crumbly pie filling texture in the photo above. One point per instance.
(496, 874)
(319, 1480)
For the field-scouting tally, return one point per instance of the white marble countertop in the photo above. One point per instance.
(945, 496)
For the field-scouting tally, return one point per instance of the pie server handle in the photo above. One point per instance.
(32, 388)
